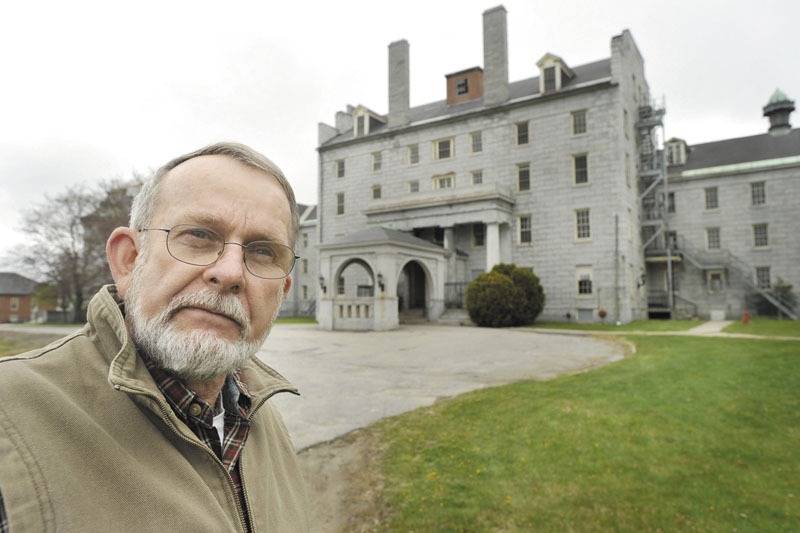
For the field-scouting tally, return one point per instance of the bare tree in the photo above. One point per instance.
(66, 239)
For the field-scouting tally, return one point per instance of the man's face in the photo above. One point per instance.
(241, 203)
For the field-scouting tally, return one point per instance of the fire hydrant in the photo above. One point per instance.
(746, 318)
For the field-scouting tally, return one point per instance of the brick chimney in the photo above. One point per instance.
(398, 83)
(495, 56)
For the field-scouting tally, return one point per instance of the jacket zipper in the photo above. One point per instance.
(165, 411)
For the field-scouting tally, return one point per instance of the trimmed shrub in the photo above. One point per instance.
(490, 300)
(506, 296)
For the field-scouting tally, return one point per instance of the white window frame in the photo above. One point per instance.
(713, 237)
(413, 149)
(575, 157)
(529, 230)
(756, 228)
(436, 151)
(377, 161)
(518, 130)
(763, 282)
(13, 304)
(305, 292)
(472, 144)
(304, 266)
(476, 176)
(707, 192)
(339, 168)
(376, 192)
(576, 114)
(758, 193)
(710, 279)
(579, 224)
(413, 186)
(439, 179)
(339, 204)
(584, 273)
(304, 240)
(520, 168)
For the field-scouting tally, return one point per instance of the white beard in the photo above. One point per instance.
(197, 355)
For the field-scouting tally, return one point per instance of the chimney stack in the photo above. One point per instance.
(495, 56)
(398, 83)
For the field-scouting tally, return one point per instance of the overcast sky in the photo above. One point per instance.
(97, 90)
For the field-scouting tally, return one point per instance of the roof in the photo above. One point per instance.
(12, 284)
(589, 72)
(741, 150)
(376, 234)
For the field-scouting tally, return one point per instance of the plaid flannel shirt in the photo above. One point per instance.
(199, 416)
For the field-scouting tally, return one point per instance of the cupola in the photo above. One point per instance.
(778, 110)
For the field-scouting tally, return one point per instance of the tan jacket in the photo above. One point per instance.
(88, 443)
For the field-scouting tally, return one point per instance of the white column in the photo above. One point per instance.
(450, 246)
(492, 245)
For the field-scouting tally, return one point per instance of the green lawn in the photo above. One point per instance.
(637, 325)
(295, 320)
(688, 434)
(766, 326)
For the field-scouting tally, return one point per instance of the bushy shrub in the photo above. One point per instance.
(506, 296)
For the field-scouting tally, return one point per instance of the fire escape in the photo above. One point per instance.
(654, 195)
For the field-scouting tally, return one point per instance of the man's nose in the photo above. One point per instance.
(227, 273)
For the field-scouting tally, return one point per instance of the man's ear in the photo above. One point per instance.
(286, 286)
(122, 249)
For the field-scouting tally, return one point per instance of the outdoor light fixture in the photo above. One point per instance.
(380, 281)
(322, 285)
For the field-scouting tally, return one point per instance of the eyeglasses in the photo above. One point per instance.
(199, 246)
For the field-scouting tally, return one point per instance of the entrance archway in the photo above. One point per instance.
(411, 292)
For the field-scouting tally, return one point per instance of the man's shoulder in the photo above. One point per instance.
(59, 356)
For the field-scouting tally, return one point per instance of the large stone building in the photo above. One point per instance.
(562, 172)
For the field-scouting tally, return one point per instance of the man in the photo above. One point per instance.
(154, 416)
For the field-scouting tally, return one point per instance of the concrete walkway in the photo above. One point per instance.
(710, 328)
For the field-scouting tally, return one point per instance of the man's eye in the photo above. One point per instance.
(198, 234)
(263, 251)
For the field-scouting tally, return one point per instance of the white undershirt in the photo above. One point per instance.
(219, 421)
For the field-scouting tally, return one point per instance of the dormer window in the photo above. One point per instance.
(676, 151)
(554, 73)
(464, 85)
(365, 121)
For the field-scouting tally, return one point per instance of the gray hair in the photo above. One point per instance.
(144, 205)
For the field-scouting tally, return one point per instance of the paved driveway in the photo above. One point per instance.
(349, 380)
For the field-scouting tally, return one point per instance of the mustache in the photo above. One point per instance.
(223, 304)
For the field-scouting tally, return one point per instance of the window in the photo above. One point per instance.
(525, 229)
(581, 168)
(758, 193)
(477, 177)
(522, 132)
(14, 304)
(715, 281)
(377, 161)
(340, 168)
(711, 198)
(305, 240)
(462, 86)
(671, 202)
(360, 125)
(627, 169)
(550, 79)
(625, 122)
(478, 235)
(712, 238)
(413, 186)
(376, 192)
(340, 203)
(579, 122)
(443, 149)
(582, 224)
(445, 181)
(304, 265)
(305, 292)
(762, 277)
(583, 274)
(413, 154)
(760, 235)
(340, 285)
(476, 142)
(524, 177)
